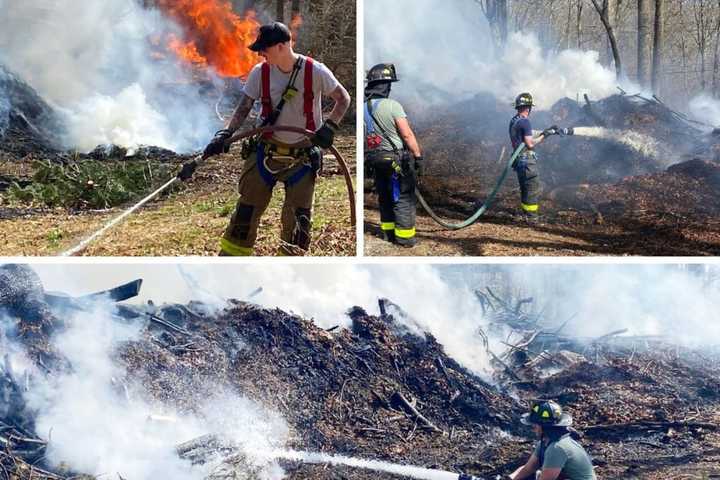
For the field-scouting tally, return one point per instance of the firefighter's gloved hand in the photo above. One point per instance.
(419, 166)
(554, 130)
(325, 135)
(187, 170)
(219, 143)
(467, 476)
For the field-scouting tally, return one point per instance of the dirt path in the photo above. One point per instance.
(499, 233)
(189, 221)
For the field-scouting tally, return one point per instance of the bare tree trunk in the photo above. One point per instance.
(702, 24)
(612, 8)
(658, 44)
(567, 26)
(578, 25)
(644, 43)
(604, 12)
(716, 58)
(496, 13)
(280, 10)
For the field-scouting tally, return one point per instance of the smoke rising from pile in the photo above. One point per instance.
(706, 109)
(95, 62)
(445, 52)
(646, 299)
(94, 423)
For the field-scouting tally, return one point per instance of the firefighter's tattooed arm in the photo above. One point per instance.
(342, 103)
(241, 112)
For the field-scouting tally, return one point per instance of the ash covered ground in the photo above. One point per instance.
(638, 178)
(378, 389)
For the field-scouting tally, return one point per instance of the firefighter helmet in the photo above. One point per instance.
(548, 413)
(382, 72)
(524, 100)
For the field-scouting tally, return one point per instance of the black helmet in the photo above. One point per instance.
(548, 413)
(524, 100)
(382, 72)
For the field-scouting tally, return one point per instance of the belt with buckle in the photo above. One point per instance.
(284, 150)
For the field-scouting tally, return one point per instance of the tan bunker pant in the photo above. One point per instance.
(256, 185)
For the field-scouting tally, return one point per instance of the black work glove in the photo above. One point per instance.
(550, 131)
(419, 166)
(325, 135)
(187, 170)
(218, 144)
(467, 476)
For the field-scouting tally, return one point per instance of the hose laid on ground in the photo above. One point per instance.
(484, 207)
(200, 159)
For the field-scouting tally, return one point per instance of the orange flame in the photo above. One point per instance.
(215, 36)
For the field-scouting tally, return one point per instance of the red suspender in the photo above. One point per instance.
(265, 99)
(265, 94)
(309, 95)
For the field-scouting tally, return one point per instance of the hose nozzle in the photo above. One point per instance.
(566, 131)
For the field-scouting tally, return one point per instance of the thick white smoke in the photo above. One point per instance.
(95, 424)
(647, 300)
(706, 109)
(444, 51)
(95, 428)
(93, 60)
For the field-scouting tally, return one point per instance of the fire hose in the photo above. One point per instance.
(491, 197)
(200, 159)
(484, 207)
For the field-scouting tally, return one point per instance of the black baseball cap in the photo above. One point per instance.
(269, 35)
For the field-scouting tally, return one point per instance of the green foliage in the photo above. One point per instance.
(54, 236)
(90, 183)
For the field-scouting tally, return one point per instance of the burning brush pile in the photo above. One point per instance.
(629, 154)
(204, 391)
(144, 96)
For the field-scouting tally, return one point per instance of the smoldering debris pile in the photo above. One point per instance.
(625, 142)
(27, 123)
(31, 129)
(376, 390)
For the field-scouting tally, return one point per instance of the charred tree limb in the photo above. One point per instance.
(398, 398)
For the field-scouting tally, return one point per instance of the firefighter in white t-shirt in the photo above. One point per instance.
(290, 87)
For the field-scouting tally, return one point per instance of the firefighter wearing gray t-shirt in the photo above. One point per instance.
(393, 155)
(557, 455)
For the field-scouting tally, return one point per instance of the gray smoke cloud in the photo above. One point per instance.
(96, 420)
(94, 429)
(444, 51)
(648, 300)
(94, 62)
